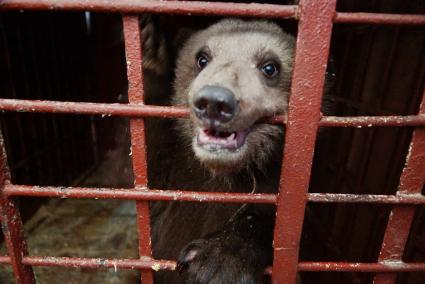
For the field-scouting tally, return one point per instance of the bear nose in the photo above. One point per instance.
(215, 103)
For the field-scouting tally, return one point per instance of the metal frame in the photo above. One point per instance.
(316, 18)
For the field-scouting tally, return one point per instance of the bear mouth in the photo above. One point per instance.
(214, 140)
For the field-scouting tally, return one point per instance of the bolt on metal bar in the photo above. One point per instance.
(313, 42)
(133, 51)
(12, 226)
(401, 217)
(162, 7)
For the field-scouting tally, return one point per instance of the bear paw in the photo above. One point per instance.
(224, 258)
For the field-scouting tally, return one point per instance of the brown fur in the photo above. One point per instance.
(237, 48)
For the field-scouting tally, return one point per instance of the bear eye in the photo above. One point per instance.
(202, 60)
(270, 69)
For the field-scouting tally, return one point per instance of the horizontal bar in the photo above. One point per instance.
(139, 193)
(4, 259)
(136, 110)
(157, 7)
(149, 263)
(390, 266)
(204, 8)
(379, 18)
(412, 199)
(129, 110)
(370, 121)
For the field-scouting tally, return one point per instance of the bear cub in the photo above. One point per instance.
(231, 75)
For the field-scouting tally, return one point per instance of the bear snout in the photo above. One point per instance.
(215, 105)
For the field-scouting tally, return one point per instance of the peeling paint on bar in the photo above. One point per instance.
(379, 18)
(142, 193)
(401, 217)
(162, 7)
(318, 13)
(145, 263)
(133, 54)
(139, 193)
(141, 110)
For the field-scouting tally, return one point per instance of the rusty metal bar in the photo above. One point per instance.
(4, 259)
(130, 110)
(137, 110)
(133, 52)
(141, 193)
(12, 226)
(370, 121)
(412, 199)
(204, 8)
(379, 18)
(396, 266)
(313, 42)
(401, 217)
(163, 7)
(149, 263)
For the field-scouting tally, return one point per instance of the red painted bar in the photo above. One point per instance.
(204, 8)
(133, 52)
(370, 121)
(405, 199)
(163, 7)
(361, 267)
(145, 263)
(136, 110)
(4, 259)
(401, 217)
(12, 226)
(130, 110)
(312, 49)
(139, 193)
(379, 18)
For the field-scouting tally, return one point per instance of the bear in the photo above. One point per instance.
(231, 75)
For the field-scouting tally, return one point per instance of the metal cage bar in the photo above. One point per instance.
(400, 221)
(135, 110)
(12, 226)
(316, 18)
(311, 56)
(142, 193)
(133, 51)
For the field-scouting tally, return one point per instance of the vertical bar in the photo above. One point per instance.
(133, 51)
(312, 49)
(401, 217)
(12, 226)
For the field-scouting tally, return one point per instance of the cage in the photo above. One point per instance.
(70, 210)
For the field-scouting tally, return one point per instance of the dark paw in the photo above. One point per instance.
(223, 258)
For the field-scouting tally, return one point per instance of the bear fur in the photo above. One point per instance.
(213, 242)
